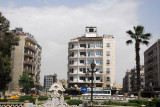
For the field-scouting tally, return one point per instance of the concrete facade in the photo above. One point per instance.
(130, 81)
(26, 57)
(152, 67)
(48, 81)
(81, 53)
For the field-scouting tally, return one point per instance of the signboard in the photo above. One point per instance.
(84, 89)
(90, 39)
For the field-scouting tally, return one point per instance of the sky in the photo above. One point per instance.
(54, 22)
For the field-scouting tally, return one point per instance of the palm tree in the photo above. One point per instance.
(140, 38)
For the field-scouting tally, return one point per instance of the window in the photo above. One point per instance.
(82, 78)
(100, 70)
(71, 70)
(90, 61)
(108, 53)
(71, 78)
(108, 78)
(83, 61)
(108, 62)
(82, 53)
(97, 78)
(82, 69)
(108, 44)
(99, 61)
(91, 53)
(91, 45)
(99, 45)
(71, 62)
(108, 70)
(83, 45)
(72, 46)
(99, 53)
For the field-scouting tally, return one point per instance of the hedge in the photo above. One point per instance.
(67, 97)
(3, 100)
(42, 98)
(74, 102)
(27, 97)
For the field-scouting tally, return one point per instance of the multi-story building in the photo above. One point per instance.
(26, 58)
(130, 81)
(126, 82)
(48, 81)
(152, 67)
(82, 51)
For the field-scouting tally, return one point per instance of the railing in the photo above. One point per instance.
(11, 104)
(29, 47)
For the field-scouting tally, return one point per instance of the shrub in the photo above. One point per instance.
(120, 104)
(67, 97)
(26, 97)
(40, 103)
(42, 98)
(74, 102)
(3, 100)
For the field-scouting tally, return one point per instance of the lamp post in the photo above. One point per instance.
(93, 65)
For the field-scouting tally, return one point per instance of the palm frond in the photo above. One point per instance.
(131, 34)
(129, 42)
(146, 36)
(145, 42)
(139, 31)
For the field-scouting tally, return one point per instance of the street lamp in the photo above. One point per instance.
(93, 65)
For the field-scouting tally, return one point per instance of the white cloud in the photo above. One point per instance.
(53, 27)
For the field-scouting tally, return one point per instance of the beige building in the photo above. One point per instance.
(81, 53)
(26, 58)
(152, 67)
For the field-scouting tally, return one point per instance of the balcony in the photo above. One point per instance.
(28, 62)
(30, 55)
(27, 70)
(30, 47)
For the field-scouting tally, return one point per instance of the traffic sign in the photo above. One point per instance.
(83, 89)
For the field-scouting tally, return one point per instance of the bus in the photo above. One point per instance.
(98, 93)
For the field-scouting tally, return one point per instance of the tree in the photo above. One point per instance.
(26, 82)
(7, 41)
(5, 70)
(140, 38)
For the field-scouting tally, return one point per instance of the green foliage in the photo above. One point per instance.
(7, 41)
(27, 97)
(42, 98)
(26, 82)
(13, 100)
(67, 97)
(4, 23)
(141, 102)
(3, 100)
(74, 102)
(40, 103)
(120, 104)
(5, 70)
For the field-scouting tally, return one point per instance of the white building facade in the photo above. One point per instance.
(81, 53)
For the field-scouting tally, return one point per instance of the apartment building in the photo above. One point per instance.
(130, 81)
(26, 58)
(48, 81)
(82, 51)
(152, 67)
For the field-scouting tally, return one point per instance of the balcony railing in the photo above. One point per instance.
(28, 62)
(27, 70)
(30, 47)
(30, 55)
